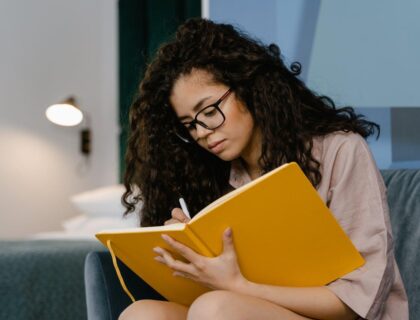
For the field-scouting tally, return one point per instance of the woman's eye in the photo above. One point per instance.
(189, 126)
(210, 113)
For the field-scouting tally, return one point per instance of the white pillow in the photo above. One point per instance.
(101, 202)
(83, 225)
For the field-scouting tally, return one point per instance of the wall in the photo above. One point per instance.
(359, 53)
(50, 49)
(288, 23)
(257, 19)
(296, 26)
(366, 53)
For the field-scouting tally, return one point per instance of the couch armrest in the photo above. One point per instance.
(105, 297)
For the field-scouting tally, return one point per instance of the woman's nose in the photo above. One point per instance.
(202, 131)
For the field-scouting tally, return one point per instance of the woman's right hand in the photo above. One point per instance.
(178, 216)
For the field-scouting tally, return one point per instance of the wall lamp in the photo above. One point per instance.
(68, 114)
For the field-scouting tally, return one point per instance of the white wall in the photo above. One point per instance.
(49, 50)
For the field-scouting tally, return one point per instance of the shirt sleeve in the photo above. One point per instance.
(357, 198)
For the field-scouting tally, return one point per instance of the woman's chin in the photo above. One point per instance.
(227, 156)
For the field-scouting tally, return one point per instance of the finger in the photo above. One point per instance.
(228, 240)
(178, 214)
(171, 221)
(173, 263)
(185, 251)
(160, 259)
(183, 275)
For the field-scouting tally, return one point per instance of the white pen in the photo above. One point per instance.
(184, 207)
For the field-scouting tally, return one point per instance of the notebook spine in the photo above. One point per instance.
(202, 247)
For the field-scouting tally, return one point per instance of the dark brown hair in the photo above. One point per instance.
(287, 112)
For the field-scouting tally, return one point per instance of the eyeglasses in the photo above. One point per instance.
(211, 117)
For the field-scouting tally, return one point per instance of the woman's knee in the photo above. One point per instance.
(141, 308)
(211, 305)
(151, 309)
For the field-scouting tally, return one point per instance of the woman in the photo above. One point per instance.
(217, 109)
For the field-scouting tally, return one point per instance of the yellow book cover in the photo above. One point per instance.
(283, 234)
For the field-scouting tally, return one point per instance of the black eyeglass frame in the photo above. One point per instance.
(195, 121)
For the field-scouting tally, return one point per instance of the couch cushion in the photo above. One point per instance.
(43, 279)
(105, 296)
(404, 203)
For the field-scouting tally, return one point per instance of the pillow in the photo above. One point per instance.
(87, 226)
(101, 202)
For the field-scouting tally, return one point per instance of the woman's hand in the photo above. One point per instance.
(221, 272)
(178, 216)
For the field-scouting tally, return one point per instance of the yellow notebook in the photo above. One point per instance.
(283, 233)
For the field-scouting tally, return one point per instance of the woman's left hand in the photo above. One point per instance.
(221, 272)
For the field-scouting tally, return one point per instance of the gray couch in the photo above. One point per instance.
(106, 299)
(43, 279)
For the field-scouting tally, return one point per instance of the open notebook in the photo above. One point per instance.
(283, 233)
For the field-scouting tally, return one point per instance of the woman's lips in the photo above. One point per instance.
(218, 147)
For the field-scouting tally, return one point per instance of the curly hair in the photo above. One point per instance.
(289, 115)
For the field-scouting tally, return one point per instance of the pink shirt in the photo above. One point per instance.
(353, 189)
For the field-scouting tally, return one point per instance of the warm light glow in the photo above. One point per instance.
(64, 115)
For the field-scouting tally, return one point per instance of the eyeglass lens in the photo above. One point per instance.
(211, 117)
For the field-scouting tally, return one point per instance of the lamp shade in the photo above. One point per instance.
(65, 113)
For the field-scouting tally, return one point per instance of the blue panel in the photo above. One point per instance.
(258, 18)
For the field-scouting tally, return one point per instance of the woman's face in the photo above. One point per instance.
(234, 138)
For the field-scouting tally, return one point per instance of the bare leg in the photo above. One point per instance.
(223, 305)
(154, 310)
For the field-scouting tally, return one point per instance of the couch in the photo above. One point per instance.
(43, 279)
(42, 276)
(106, 299)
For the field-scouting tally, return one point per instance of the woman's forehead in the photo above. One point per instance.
(197, 77)
(190, 89)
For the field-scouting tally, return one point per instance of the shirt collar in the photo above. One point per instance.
(238, 175)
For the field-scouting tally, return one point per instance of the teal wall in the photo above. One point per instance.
(143, 26)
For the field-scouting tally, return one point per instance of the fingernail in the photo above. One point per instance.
(165, 237)
(228, 231)
(156, 249)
